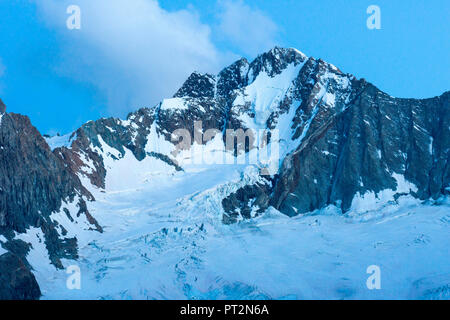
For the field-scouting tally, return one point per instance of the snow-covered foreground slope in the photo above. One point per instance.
(165, 240)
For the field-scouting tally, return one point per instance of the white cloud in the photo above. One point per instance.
(135, 52)
(247, 28)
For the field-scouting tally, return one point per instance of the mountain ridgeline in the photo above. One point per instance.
(340, 136)
(342, 142)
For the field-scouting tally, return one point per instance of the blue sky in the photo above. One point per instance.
(130, 54)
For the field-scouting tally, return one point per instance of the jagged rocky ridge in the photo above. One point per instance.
(340, 137)
(34, 184)
(342, 142)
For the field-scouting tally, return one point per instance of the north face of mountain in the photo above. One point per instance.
(377, 143)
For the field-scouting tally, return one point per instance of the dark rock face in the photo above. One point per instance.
(247, 202)
(32, 180)
(361, 148)
(274, 62)
(33, 184)
(198, 85)
(17, 281)
(232, 78)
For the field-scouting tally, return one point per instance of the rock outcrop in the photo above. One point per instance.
(17, 281)
(34, 184)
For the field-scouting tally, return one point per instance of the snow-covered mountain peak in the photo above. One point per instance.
(275, 61)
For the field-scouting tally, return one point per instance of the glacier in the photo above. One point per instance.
(165, 240)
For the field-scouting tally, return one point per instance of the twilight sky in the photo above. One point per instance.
(132, 53)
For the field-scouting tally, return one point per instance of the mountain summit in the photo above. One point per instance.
(341, 139)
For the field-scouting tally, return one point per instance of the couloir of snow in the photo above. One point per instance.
(164, 239)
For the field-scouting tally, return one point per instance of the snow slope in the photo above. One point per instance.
(165, 240)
